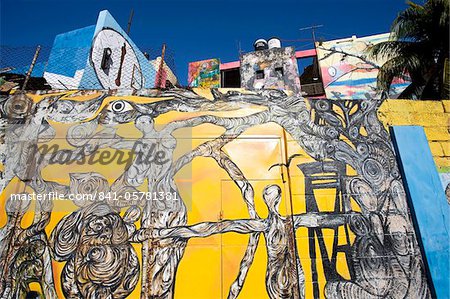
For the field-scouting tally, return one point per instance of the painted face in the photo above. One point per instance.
(115, 62)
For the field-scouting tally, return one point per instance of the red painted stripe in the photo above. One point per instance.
(305, 53)
(230, 65)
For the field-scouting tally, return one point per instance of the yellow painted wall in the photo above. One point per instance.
(434, 116)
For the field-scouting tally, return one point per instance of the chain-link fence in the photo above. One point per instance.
(104, 65)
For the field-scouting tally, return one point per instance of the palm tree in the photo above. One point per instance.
(418, 49)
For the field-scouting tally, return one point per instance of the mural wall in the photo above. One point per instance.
(274, 68)
(101, 56)
(202, 194)
(205, 73)
(347, 72)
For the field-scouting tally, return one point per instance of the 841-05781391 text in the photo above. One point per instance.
(101, 196)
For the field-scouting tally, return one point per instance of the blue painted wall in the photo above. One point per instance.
(38, 69)
(428, 202)
(70, 51)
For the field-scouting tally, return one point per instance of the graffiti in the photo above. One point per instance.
(100, 262)
(348, 73)
(95, 241)
(115, 61)
(275, 68)
(205, 73)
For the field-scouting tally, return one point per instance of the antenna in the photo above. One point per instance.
(129, 21)
(238, 45)
(313, 27)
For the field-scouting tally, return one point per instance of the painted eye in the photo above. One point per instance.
(332, 71)
(120, 106)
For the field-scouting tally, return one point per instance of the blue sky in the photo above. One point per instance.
(199, 29)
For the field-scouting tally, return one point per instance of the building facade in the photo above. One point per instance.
(338, 69)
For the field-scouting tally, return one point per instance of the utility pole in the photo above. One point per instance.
(317, 69)
(30, 70)
(129, 21)
(312, 28)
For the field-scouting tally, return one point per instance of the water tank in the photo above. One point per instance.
(260, 44)
(274, 42)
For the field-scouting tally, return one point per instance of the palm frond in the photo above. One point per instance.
(418, 46)
(410, 22)
(390, 49)
(397, 67)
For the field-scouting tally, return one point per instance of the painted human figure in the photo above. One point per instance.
(160, 258)
(284, 279)
(284, 275)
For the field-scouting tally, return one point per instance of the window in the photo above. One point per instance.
(106, 59)
(279, 71)
(231, 78)
(260, 74)
(310, 79)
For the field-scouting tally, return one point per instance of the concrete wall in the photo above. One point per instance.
(276, 196)
(278, 69)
